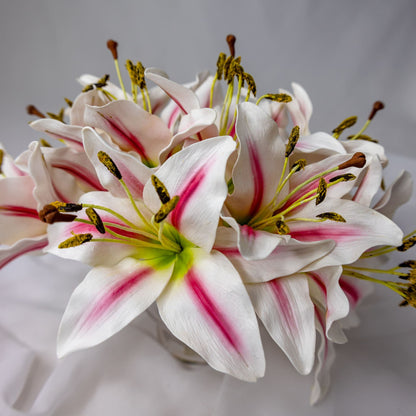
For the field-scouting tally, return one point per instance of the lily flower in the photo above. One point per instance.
(161, 250)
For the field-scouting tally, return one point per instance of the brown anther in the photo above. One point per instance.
(343, 178)
(408, 263)
(231, 43)
(298, 165)
(112, 46)
(363, 137)
(332, 216)
(377, 106)
(408, 243)
(292, 141)
(357, 161)
(50, 214)
(68, 101)
(33, 111)
(321, 192)
(282, 228)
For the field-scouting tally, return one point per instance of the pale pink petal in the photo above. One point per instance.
(364, 228)
(184, 97)
(68, 134)
(135, 174)
(369, 181)
(397, 194)
(286, 310)
(91, 98)
(255, 244)
(287, 258)
(98, 253)
(364, 146)
(87, 79)
(295, 112)
(261, 151)
(131, 128)
(18, 210)
(21, 247)
(108, 299)
(325, 359)
(190, 125)
(305, 103)
(321, 142)
(196, 175)
(208, 309)
(327, 293)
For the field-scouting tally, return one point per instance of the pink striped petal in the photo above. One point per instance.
(208, 309)
(131, 128)
(108, 299)
(18, 210)
(261, 152)
(369, 181)
(327, 293)
(190, 125)
(185, 98)
(364, 228)
(21, 247)
(85, 99)
(286, 310)
(97, 253)
(255, 244)
(325, 359)
(68, 134)
(397, 194)
(196, 175)
(286, 258)
(323, 143)
(134, 173)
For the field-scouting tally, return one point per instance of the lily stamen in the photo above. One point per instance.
(377, 106)
(112, 46)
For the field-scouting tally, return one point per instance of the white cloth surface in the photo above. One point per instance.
(131, 374)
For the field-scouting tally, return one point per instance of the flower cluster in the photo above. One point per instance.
(220, 207)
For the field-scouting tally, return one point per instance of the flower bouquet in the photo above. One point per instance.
(220, 207)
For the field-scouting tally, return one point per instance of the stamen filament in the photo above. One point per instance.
(237, 100)
(211, 94)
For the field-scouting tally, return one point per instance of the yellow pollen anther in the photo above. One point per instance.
(347, 123)
(322, 188)
(68, 102)
(95, 219)
(282, 228)
(166, 209)
(160, 189)
(332, 216)
(251, 85)
(408, 243)
(1, 159)
(408, 263)
(59, 116)
(109, 164)
(362, 137)
(293, 139)
(343, 178)
(298, 165)
(227, 65)
(44, 143)
(220, 64)
(67, 207)
(76, 240)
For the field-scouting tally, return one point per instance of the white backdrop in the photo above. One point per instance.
(346, 54)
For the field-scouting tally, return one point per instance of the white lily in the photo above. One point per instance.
(199, 293)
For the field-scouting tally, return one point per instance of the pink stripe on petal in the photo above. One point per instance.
(187, 192)
(18, 211)
(174, 115)
(127, 136)
(111, 297)
(257, 177)
(76, 171)
(211, 310)
(339, 233)
(352, 293)
(37, 246)
(65, 138)
(284, 304)
(319, 282)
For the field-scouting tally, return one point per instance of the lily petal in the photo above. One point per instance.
(364, 228)
(68, 134)
(135, 174)
(397, 194)
(21, 247)
(196, 175)
(286, 310)
(207, 307)
(261, 152)
(286, 258)
(131, 127)
(108, 299)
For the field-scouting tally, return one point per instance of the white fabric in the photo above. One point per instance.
(131, 374)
